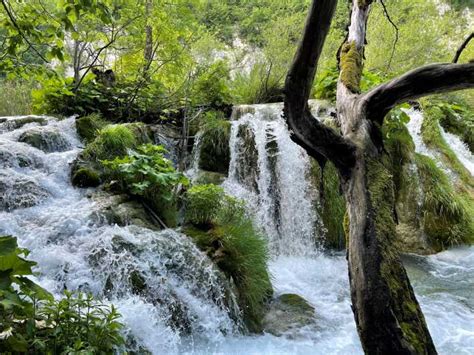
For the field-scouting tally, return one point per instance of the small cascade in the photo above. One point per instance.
(414, 127)
(460, 149)
(271, 173)
(169, 293)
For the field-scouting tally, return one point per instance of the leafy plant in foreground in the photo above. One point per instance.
(31, 320)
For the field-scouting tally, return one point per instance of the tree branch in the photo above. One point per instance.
(312, 135)
(462, 47)
(430, 79)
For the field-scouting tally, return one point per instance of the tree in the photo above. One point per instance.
(388, 317)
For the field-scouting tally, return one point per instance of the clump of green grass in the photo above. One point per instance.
(447, 215)
(220, 226)
(16, 98)
(88, 127)
(215, 151)
(112, 141)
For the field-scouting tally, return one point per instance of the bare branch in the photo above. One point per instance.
(462, 47)
(317, 139)
(430, 79)
(397, 33)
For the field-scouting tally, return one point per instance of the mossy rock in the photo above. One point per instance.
(88, 127)
(85, 177)
(208, 177)
(287, 314)
(47, 140)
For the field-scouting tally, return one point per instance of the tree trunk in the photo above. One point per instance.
(388, 317)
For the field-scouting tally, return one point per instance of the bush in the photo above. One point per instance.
(88, 127)
(31, 321)
(145, 172)
(211, 87)
(215, 150)
(221, 227)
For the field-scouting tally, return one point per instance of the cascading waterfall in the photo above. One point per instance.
(169, 293)
(270, 172)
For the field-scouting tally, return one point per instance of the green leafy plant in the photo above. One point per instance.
(145, 172)
(32, 321)
(220, 226)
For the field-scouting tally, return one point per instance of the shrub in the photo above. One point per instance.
(211, 87)
(112, 141)
(145, 172)
(215, 151)
(221, 227)
(88, 127)
(31, 321)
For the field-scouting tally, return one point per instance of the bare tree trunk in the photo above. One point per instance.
(388, 317)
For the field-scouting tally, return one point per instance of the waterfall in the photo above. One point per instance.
(169, 293)
(172, 298)
(271, 173)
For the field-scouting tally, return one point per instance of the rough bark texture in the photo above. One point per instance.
(388, 317)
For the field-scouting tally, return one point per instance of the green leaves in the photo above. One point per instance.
(31, 320)
(146, 172)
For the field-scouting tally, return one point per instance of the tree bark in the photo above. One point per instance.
(388, 317)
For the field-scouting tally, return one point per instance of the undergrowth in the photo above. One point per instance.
(33, 322)
(220, 226)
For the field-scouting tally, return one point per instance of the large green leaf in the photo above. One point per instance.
(8, 245)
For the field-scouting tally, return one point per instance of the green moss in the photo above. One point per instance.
(432, 137)
(402, 300)
(333, 207)
(220, 227)
(85, 177)
(351, 66)
(296, 301)
(447, 214)
(215, 151)
(89, 126)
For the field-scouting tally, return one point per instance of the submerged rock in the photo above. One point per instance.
(287, 313)
(47, 139)
(19, 191)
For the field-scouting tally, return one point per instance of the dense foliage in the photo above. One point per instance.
(32, 321)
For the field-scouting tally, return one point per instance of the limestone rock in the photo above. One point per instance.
(45, 139)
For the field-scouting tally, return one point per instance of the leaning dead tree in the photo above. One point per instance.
(388, 317)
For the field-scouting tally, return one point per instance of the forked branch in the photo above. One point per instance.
(313, 136)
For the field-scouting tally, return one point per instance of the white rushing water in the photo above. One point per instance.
(183, 292)
(181, 308)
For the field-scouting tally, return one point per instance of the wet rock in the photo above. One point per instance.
(47, 140)
(85, 177)
(288, 313)
(120, 210)
(18, 155)
(12, 123)
(19, 191)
